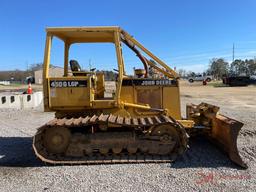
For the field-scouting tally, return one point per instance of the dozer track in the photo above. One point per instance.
(108, 139)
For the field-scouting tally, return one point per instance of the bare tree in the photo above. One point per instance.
(182, 73)
(35, 66)
(218, 67)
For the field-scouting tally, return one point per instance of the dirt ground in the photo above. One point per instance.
(202, 168)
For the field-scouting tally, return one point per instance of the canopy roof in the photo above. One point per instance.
(84, 34)
(107, 34)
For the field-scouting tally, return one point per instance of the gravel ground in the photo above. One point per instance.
(202, 168)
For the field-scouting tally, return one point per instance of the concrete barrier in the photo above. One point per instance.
(4, 82)
(23, 101)
(10, 101)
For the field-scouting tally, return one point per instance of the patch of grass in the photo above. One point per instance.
(187, 96)
(12, 85)
(16, 84)
(217, 84)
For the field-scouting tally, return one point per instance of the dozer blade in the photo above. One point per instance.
(223, 130)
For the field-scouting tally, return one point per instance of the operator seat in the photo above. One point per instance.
(76, 68)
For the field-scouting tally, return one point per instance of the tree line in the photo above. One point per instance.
(18, 75)
(21, 75)
(219, 67)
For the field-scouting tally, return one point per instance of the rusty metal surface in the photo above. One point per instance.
(79, 152)
(225, 132)
(221, 130)
(152, 97)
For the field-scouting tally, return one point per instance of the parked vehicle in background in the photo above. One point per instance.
(253, 79)
(208, 78)
(236, 80)
(30, 79)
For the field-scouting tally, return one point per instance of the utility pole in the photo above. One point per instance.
(90, 64)
(233, 52)
(27, 65)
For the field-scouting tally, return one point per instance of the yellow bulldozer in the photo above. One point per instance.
(140, 122)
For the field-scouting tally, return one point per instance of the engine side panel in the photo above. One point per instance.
(158, 93)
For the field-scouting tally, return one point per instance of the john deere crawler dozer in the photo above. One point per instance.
(140, 122)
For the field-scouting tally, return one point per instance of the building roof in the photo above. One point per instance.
(51, 67)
